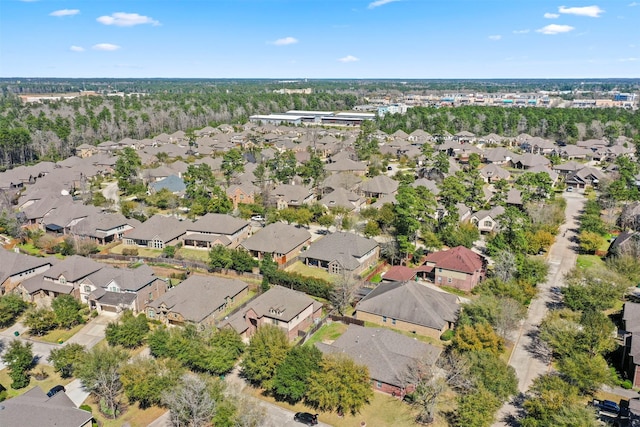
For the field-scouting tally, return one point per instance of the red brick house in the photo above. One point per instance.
(457, 267)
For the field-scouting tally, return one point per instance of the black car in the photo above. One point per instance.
(55, 389)
(306, 418)
(610, 406)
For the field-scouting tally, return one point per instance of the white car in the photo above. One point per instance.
(257, 218)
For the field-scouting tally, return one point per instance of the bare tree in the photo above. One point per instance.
(428, 384)
(456, 371)
(504, 266)
(507, 318)
(342, 293)
(249, 411)
(190, 403)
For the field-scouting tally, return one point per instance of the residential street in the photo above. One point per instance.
(529, 359)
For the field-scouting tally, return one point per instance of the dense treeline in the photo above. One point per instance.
(32, 132)
(568, 124)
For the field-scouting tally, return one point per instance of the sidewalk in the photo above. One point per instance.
(93, 332)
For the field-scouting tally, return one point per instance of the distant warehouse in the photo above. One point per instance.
(298, 117)
(276, 119)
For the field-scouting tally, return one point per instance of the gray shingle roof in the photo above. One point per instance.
(387, 354)
(277, 238)
(73, 268)
(411, 302)
(162, 227)
(199, 296)
(342, 247)
(217, 224)
(35, 409)
(12, 263)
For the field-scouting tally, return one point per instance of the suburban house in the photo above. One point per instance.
(487, 220)
(631, 356)
(293, 311)
(105, 228)
(156, 232)
(117, 289)
(292, 196)
(492, 173)
(16, 268)
(379, 186)
(342, 252)
(35, 409)
(243, 193)
(388, 355)
(344, 199)
(215, 229)
(584, 177)
(627, 242)
(347, 165)
(198, 300)
(458, 267)
(282, 241)
(411, 307)
(63, 278)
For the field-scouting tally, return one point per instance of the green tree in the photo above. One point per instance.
(220, 257)
(129, 332)
(11, 306)
(267, 350)
(19, 359)
(65, 359)
(476, 409)
(590, 242)
(292, 375)
(493, 374)
(534, 185)
(477, 337)
(67, 311)
(127, 168)
(242, 260)
(145, 380)
(326, 220)
(588, 373)
(340, 385)
(40, 320)
(593, 289)
(313, 170)
(99, 372)
(283, 166)
(441, 162)
(232, 163)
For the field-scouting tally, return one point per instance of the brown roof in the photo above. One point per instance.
(399, 273)
(458, 259)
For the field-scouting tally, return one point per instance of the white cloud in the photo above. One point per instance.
(76, 49)
(590, 11)
(632, 59)
(285, 41)
(551, 15)
(555, 29)
(379, 3)
(634, 4)
(122, 19)
(65, 12)
(349, 58)
(521, 31)
(495, 37)
(105, 46)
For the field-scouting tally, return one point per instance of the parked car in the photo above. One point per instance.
(610, 406)
(306, 418)
(258, 218)
(569, 189)
(55, 390)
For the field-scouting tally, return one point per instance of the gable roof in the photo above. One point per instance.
(164, 227)
(73, 268)
(12, 263)
(217, 224)
(380, 184)
(457, 259)
(126, 279)
(386, 353)
(340, 197)
(199, 296)
(411, 302)
(35, 409)
(277, 238)
(345, 248)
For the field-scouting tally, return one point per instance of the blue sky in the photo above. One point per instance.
(320, 39)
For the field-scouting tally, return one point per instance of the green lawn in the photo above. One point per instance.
(329, 331)
(193, 254)
(588, 261)
(318, 273)
(52, 379)
(143, 252)
(59, 334)
(132, 415)
(30, 249)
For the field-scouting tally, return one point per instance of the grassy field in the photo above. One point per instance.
(53, 378)
(59, 334)
(330, 331)
(132, 415)
(30, 249)
(382, 411)
(318, 273)
(194, 254)
(143, 252)
(588, 261)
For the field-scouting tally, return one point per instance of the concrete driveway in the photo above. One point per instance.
(529, 358)
(41, 350)
(93, 332)
(76, 392)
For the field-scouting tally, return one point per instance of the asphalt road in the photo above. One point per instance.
(529, 358)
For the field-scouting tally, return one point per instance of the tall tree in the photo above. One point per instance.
(268, 348)
(292, 375)
(232, 163)
(19, 359)
(193, 402)
(127, 168)
(67, 310)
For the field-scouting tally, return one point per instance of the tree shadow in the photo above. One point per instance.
(538, 348)
(514, 420)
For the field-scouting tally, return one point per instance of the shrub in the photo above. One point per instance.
(626, 384)
(130, 251)
(447, 335)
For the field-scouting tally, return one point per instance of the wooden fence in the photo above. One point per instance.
(347, 320)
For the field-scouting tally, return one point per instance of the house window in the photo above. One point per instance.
(393, 321)
(487, 223)
(384, 319)
(151, 314)
(378, 384)
(439, 270)
(449, 280)
(275, 321)
(150, 296)
(63, 280)
(439, 279)
(87, 288)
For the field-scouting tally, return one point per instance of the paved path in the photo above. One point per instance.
(529, 358)
(76, 392)
(93, 332)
